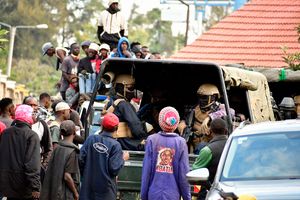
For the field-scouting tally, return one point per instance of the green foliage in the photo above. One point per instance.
(3, 50)
(149, 30)
(68, 20)
(37, 77)
(3, 33)
(217, 14)
(292, 59)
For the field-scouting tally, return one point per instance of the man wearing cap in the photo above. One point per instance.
(88, 68)
(101, 158)
(20, 157)
(104, 51)
(60, 52)
(62, 113)
(85, 47)
(63, 177)
(112, 25)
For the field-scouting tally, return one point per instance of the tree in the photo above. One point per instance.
(2, 39)
(292, 59)
(151, 31)
(3, 51)
(44, 80)
(66, 19)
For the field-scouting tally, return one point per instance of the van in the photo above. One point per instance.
(245, 91)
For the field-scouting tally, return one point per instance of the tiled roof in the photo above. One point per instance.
(251, 35)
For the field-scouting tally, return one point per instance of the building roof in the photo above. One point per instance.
(252, 35)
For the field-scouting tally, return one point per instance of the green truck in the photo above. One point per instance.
(245, 91)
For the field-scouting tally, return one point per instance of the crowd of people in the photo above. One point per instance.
(39, 142)
(80, 63)
(40, 138)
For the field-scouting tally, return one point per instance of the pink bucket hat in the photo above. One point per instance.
(168, 119)
(24, 114)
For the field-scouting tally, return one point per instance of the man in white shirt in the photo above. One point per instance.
(112, 25)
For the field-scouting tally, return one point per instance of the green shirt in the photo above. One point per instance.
(55, 134)
(203, 159)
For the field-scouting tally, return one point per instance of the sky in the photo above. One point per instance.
(174, 12)
(144, 5)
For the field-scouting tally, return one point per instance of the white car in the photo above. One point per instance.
(95, 116)
(258, 159)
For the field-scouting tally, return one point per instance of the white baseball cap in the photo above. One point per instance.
(62, 106)
(46, 46)
(94, 46)
(104, 46)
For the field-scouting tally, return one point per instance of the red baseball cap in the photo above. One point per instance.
(110, 121)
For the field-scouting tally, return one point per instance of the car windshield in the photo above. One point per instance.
(266, 156)
(97, 117)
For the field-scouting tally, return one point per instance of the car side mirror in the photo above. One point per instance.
(198, 176)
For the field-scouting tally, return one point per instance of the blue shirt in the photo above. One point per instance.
(101, 159)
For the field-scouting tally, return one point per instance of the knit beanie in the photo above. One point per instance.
(168, 119)
(24, 113)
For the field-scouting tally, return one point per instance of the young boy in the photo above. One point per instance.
(101, 158)
(62, 176)
(166, 161)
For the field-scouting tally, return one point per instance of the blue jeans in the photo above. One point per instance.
(87, 83)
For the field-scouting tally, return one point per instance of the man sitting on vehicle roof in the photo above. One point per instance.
(130, 132)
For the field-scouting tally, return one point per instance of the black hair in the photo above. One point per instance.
(155, 53)
(44, 95)
(72, 45)
(4, 103)
(110, 130)
(218, 126)
(25, 99)
(134, 44)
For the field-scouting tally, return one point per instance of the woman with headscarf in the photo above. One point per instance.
(20, 157)
(166, 162)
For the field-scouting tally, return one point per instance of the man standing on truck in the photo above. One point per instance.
(131, 133)
(111, 25)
